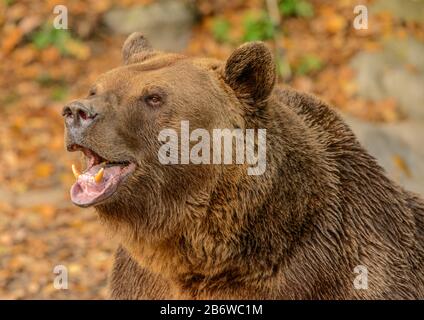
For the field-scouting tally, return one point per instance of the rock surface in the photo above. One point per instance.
(398, 149)
(397, 71)
(408, 10)
(167, 24)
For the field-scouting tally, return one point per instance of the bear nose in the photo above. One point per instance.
(78, 116)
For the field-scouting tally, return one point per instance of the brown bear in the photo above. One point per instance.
(323, 221)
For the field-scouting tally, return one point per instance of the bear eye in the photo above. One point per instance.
(153, 100)
(92, 92)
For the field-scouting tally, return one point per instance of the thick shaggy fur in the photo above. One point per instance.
(322, 207)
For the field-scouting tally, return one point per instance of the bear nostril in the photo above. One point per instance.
(82, 114)
(78, 112)
(66, 111)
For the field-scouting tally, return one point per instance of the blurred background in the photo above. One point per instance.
(374, 77)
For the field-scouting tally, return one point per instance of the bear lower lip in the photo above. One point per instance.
(86, 191)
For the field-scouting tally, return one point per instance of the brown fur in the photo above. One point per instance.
(322, 207)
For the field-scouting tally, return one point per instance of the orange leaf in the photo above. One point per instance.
(11, 39)
(43, 169)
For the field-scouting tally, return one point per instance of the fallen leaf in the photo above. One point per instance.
(11, 38)
(43, 169)
(401, 164)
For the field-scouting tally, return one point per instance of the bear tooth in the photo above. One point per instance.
(99, 176)
(75, 171)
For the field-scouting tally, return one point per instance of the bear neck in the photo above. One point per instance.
(253, 224)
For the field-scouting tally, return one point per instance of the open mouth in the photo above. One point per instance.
(99, 180)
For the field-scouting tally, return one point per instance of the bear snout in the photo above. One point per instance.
(78, 115)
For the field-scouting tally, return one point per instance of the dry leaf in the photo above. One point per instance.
(43, 169)
(11, 39)
(401, 164)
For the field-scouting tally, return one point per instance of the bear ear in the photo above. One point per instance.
(250, 71)
(135, 48)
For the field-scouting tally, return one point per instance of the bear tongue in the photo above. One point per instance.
(86, 191)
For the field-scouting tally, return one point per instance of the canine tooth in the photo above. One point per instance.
(99, 175)
(75, 171)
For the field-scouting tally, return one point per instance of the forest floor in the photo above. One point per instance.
(41, 70)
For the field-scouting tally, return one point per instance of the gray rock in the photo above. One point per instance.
(395, 72)
(167, 24)
(398, 149)
(408, 10)
(408, 90)
(409, 51)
